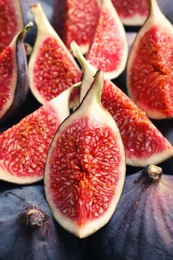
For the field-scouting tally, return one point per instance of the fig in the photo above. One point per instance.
(75, 20)
(149, 67)
(108, 47)
(52, 68)
(26, 223)
(13, 76)
(11, 21)
(85, 166)
(141, 227)
(132, 13)
(143, 142)
(24, 146)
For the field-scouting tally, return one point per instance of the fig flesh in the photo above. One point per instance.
(75, 20)
(132, 13)
(24, 146)
(141, 227)
(52, 68)
(11, 21)
(108, 47)
(85, 167)
(143, 142)
(14, 83)
(149, 67)
(26, 223)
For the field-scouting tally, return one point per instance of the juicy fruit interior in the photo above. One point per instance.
(6, 75)
(76, 13)
(129, 8)
(23, 148)
(114, 53)
(50, 79)
(84, 170)
(141, 138)
(10, 22)
(152, 66)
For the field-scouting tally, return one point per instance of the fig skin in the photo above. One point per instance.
(29, 230)
(141, 227)
(19, 84)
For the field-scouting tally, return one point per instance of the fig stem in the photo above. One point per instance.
(34, 218)
(153, 172)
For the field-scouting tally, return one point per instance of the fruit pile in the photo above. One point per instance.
(86, 130)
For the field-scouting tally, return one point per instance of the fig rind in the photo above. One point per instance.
(45, 241)
(142, 223)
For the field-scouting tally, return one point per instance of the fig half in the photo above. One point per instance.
(85, 167)
(75, 21)
(141, 227)
(11, 21)
(108, 48)
(52, 68)
(143, 142)
(150, 66)
(24, 146)
(132, 13)
(14, 82)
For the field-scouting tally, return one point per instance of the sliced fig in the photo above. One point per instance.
(132, 13)
(52, 68)
(108, 48)
(24, 146)
(11, 21)
(85, 167)
(75, 20)
(141, 227)
(26, 223)
(143, 142)
(149, 68)
(14, 83)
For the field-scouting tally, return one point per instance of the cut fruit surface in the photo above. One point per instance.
(132, 12)
(11, 21)
(75, 20)
(85, 167)
(143, 142)
(108, 48)
(150, 66)
(13, 75)
(24, 146)
(52, 68)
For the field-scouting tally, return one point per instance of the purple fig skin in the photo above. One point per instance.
(27, 224)
(141, 227)
(22, 84)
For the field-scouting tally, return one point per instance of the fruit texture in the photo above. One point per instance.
(149, 67)
(85, 167)
(108, 47)
(14, 83)
(52, 68)
(143, 142)
(132, 12)
(24, 146)
(75, 20)
(11, 21)
(141, 227)
(26, 222)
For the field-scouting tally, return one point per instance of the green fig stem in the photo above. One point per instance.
(34, 218)
(153, 172)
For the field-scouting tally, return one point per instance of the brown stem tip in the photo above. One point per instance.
(153, 172)
(34, 218)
